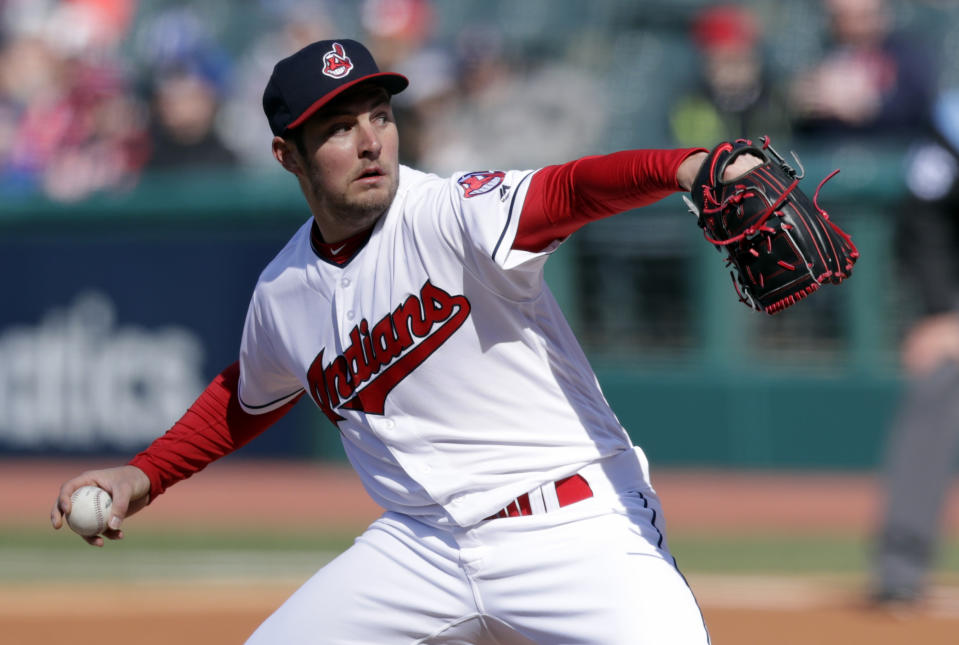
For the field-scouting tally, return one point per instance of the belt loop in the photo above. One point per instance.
(550, 500)
(537, 501)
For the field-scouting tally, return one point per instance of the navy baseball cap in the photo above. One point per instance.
(309, 79)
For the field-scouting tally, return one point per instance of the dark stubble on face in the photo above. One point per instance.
(354, 211)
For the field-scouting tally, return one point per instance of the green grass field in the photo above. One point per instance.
(28, 555)
(783, 554)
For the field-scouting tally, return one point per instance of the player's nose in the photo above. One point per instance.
(369, 140)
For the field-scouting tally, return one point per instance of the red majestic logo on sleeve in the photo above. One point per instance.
(376, 354)
(480, 183)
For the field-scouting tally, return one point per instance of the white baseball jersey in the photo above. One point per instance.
(437, 350)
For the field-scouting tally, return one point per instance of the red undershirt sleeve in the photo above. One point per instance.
(561, 199)
(214, 426)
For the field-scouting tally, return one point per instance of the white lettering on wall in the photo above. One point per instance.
(76, 380)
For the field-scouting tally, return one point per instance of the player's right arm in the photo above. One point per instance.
(214, 426)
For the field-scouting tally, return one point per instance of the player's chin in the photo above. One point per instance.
(373, 199)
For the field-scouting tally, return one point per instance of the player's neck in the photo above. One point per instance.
(338, 252)
(337, 232)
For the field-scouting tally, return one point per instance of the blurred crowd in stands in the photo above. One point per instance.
(94, 93)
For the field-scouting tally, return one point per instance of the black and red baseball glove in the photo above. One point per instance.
(782, 244)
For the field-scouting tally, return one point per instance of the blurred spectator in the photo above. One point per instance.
(400, 34)
(923, 442)
(184, 109)
(735, 98)
(872, 79)
(187, 73)
(287, 26)
(70, 123)
(877, 84)
(185, 102)
(509, 110)
(397, 30)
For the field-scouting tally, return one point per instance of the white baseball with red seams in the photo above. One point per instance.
(423, 350)
(89, 510)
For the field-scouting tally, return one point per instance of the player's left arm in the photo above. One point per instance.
(562, 199)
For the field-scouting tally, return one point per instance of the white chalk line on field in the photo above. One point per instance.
(768, 591)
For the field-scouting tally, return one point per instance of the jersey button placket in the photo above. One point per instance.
(346, 299)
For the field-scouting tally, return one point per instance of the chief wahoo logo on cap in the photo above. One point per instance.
(338, 64)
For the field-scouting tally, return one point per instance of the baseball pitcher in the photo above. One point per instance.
(411, 309)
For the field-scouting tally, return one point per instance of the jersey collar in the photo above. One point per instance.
(341, 252)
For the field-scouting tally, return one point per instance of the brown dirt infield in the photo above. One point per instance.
(301, 496)
(221, 614)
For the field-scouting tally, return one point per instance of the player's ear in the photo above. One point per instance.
(285, 152)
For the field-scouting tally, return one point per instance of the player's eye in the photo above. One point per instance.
(339, 128)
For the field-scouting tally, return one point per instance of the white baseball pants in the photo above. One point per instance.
(595, 572)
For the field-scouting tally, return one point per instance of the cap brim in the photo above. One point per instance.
(391, 82)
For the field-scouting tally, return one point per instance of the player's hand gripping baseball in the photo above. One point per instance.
(128, 486)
